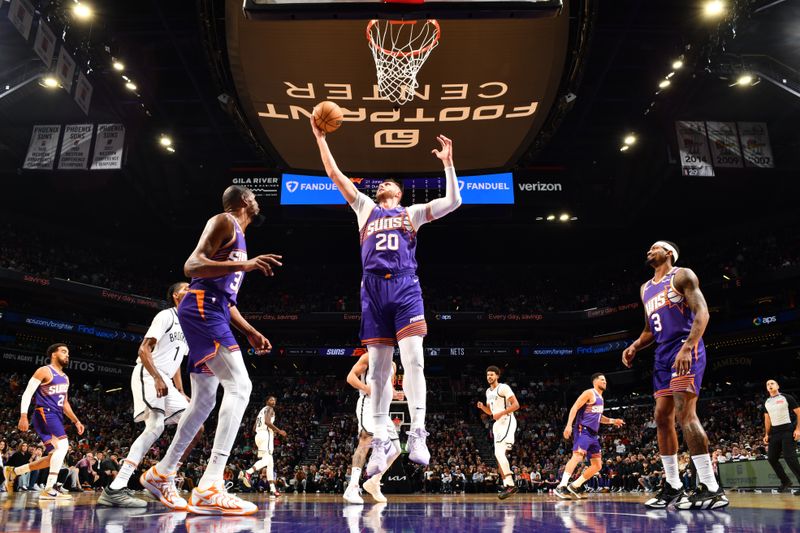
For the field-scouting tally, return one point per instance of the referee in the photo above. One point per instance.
(778, 432)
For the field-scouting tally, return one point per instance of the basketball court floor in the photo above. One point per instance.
(465, 513)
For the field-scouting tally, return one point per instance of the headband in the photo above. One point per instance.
(668, 247)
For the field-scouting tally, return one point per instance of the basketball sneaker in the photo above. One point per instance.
(274, 493)
(215, 500)
(373, 487)
(664, 497)
(417, 448)
(351, 495)
(245, 477)
(119, 498)
(703, 499)
(507, 491)
(563, 493)
(10, 477)
(379, 458)
(576, 492)
(53, 494)
(163, 487)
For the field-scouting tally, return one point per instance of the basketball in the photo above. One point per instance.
(328, 116)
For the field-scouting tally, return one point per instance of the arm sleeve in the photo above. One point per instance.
(423, 213)
(363, 206)
(27, 396)
(160, 325)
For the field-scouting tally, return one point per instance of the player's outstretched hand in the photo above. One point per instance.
(627, 356)
(567, 432)
(446, 153)
(259, 343)
(318, 133)
(23, 424)
(264, 263)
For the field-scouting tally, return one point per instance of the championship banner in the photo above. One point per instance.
(45, 43)
(74, 154)
(693, 149)
(83, 92)
(755, 145)
(20, 13)
(724, 144)
(43, 147)
(65, 69)
(108, 146)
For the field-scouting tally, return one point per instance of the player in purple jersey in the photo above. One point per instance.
(583, 424)
(48, 388)
(676, 316)
(217, 267)
(391, 299)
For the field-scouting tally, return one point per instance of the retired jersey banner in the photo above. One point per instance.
(65, 69)
(755, 145)
(20, 13)
(724, 144)
(108, 147)
(45, 43)
(43, 147)
(693, 149)
(83, 92)
(75, 146)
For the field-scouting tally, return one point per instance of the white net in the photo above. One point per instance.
(400, 48)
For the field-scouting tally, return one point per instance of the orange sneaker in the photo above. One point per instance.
(215, 500)
(163, 487)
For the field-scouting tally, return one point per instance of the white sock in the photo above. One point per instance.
(355, 476)
(670, 463)
(215, 469)
(565, 479)
(204, 398)
(414, 386)
(580, 481)
(272, 487)
(705, 473)
(124, 474)
(56, 460)
(380, 361)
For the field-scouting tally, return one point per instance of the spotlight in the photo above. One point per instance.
(573, 218)
(171, 149)
(624, 148)
(165, 140)
(131, 86)
(664, 84)
(539, 218)
(82, 11)
(119, 66)
(744, 80)
(49, 81)
(677, 64)
(551, 218)
(714, 8)
(564, 217)
(630, 139)
(670, 74)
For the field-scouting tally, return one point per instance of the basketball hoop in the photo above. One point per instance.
(400, 48)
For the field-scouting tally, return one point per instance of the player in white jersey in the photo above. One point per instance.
(158, 396)
(500, 405)
(265, 429)
(359, 378)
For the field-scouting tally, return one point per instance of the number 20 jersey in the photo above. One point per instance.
(668, 314)
(388, 241)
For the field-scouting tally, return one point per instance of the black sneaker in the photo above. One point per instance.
(703, 499)
(785, 487)
(508, 491)
(579, 493)
(664, 497)
(563, 493)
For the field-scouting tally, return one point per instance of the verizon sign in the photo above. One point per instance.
(539, 187)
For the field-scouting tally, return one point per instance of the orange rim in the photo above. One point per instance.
(397, 53)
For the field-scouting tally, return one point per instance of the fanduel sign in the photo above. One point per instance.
(297, 189)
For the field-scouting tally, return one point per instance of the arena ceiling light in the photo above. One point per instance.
(49, 82)
(677, 64)
(82, 11)
(165, 140)
(664, 84)
(130, 86)
(118, 65)
(551, 218)
(624, 148)
(564, 217)
(630, 139)
(714, 8)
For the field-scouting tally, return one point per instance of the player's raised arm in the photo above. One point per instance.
(217, 232)
(452, 197)
(584, 398)
(342, 182)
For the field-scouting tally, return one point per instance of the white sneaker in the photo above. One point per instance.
(163, 487)
(373, 486)
(417, 447)
(215, 500)
(352, 496)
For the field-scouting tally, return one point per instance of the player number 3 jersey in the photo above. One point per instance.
(667, 311)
